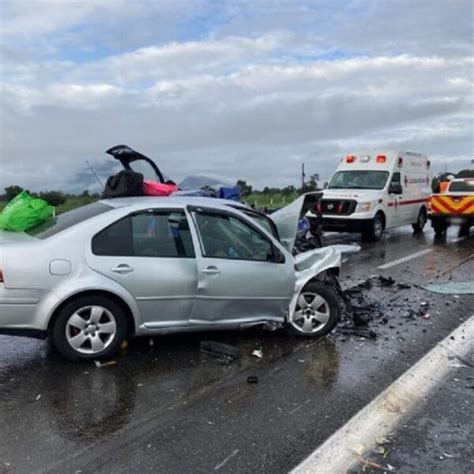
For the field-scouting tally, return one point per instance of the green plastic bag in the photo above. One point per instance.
(24, 212)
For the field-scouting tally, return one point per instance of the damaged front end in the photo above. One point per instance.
(315, 305)
(287, 218)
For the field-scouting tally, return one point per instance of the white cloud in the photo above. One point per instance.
(248, 99)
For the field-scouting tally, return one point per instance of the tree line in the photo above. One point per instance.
(310, 185)
(55, 198)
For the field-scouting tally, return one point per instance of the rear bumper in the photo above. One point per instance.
(24, 312)
(346, 225)
(451, 219)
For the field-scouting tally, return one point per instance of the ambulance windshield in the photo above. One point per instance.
(365, 179)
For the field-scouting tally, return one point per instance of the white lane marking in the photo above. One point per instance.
(404, 259)
(231, 455)
(381, 416)
(458, 239)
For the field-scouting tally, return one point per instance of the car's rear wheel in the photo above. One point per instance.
(89, 327)
(439, 228)
(317, 311)
(421, 221)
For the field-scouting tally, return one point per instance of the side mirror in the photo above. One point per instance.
(276, 256)
(395, 188)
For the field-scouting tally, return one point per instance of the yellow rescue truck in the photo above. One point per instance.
(455, 206)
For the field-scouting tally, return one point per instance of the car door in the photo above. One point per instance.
(151, 254)
(242, 274)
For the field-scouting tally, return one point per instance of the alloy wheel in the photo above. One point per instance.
(91, 329)
(311, 313)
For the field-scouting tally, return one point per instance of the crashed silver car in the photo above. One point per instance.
(142, 266)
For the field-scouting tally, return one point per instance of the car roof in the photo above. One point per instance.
(141, 202)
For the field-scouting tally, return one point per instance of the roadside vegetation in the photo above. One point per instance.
(269, 198)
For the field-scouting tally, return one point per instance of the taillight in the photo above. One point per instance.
(1, 276)
(350, 158)
(381, 158)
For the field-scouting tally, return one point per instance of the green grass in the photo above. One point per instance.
(73, 203)
(270, 200)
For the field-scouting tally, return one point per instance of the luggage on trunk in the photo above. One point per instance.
(124, 184)
(24, 212)
(153, 188)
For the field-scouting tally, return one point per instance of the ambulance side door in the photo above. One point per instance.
(395, 196)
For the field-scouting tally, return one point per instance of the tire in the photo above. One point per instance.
(464, 230)
(419, 225)
(96, 325)
(326, 307)
(375, 231)
(439, 228)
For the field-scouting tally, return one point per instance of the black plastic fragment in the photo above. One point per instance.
(252, 379)
(362, 332)
(219, 350)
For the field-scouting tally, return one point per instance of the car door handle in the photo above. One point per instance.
(211, 271)
(123, 268)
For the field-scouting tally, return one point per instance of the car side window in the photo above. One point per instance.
(147, 234)
(225, 236)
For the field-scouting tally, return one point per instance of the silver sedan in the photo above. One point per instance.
(142, 266)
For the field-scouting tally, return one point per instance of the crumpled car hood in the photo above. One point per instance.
(286, 219)
(306, 260)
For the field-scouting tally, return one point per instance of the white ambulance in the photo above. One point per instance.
(373, 191)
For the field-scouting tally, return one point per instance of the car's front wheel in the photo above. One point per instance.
(89, 327)
(317, 311)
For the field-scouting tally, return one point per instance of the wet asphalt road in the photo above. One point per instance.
(166, 407)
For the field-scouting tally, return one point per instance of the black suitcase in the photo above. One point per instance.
(124, 184)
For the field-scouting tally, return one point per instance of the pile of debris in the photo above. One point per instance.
(360, 309)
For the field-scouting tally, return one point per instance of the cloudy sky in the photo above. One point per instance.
(244, 88)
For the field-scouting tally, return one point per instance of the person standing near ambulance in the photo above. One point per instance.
(373, 191)
(443, 186)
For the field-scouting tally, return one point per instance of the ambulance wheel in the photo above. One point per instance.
(420, 223)
(376, 228)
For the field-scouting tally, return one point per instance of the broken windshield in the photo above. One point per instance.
(363, 179)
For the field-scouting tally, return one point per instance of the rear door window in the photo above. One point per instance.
(146, 234)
